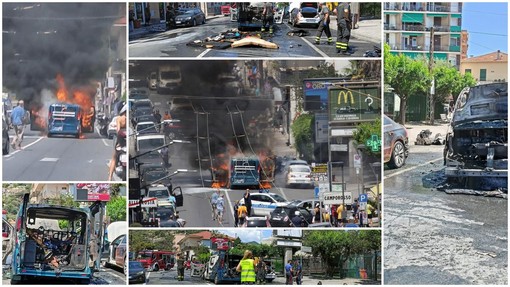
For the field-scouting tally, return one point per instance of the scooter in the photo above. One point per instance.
(122, 158)
(103, 122)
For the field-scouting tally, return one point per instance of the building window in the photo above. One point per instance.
(467, 71)
(483, 74)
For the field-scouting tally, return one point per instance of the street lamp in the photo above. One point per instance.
(377, 166)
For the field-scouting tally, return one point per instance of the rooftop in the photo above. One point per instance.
(496, 56)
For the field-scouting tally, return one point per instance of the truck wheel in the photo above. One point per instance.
(156, 268)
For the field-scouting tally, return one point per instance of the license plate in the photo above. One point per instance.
(177, 22)
(58, 129)
(310, 20)
(239, 180)
(123, 158)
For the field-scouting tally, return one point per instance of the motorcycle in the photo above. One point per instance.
(103, 122)
(122, 157)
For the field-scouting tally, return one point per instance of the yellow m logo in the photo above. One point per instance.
(347, 95)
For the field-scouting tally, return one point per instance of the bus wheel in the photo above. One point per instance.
(216, 279)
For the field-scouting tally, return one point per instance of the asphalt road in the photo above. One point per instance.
(173, 43)
(58, 158)
(431, 237)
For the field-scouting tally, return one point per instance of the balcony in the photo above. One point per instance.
(414, 28)
(438, 8)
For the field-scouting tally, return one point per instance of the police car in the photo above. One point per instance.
(263, 203)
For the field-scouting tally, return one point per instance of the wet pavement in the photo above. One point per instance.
(432, 237)
(173, 43)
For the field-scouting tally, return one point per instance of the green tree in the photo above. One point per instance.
(364, 70)
(449, 81)
(116, 208)
(202, 253)
(369, 241)
(333, 246)
(65, 200)
(302, 129)
(151, 239)
(406, 76)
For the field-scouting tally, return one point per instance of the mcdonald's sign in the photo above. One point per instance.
(353, 104)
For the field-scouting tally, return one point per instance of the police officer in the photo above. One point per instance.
(324, 24)
(268, 16)
(344, 22)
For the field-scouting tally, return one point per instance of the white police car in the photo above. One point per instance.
(263, 203)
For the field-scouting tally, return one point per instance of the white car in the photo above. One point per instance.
(161, 193)
(149, 142)
(304, 14)
(298, 174)
(152, 80)
(146, 128)
(263, 203)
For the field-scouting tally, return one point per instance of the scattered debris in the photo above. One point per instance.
(423, 138)
(227, 39)
(299, 33)
(488, 254)
(254, 41)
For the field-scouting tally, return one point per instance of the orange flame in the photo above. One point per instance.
(78, 97)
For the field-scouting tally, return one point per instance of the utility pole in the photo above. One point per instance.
(431, 92)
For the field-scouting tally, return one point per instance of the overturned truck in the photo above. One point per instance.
(476, 149)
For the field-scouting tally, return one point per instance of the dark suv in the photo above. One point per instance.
(282, 215)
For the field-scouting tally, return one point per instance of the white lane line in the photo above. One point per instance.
(311, 44)
(411, 168)
(24, 147)
(315, 48)
(50, 159)
(231, 206)
(203, 53)
(104, 141)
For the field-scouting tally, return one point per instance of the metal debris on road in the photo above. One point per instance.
(234, 38)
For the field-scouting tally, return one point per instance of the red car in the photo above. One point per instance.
(396, 143)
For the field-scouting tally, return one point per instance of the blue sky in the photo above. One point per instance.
(486, 22)
(248, 234)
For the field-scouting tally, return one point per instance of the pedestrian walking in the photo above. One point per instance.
(18, 120)
(344, 27)
(157, 117)
(324, 24)
(288, 273)
(298, 271)
(180, 267)
(317, 213)
(236, 213)
(261, 272)
(220, 206)
(165, 155)
(268, 17)
(340, 212)
(214, 200)
(247, 268)
(242, 213)
(247, 201)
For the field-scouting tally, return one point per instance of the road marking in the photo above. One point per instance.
(50, 159)
(310, 44)
(28, 145)
(231, 206)
(203, 53)
(104, 141)
(411, 168)
(90, 161)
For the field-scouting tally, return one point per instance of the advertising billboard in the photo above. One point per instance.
(354, 104)
(315, 93)
(92, 192)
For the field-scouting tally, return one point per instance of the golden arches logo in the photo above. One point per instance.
(347, 95)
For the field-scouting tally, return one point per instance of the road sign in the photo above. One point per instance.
(337, 186)
(323, 187)
(363, 197)
(357, 160)
(337, 198)
(288, 243)
(307, 249)
(363, 206)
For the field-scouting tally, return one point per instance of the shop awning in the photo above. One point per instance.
(455, 35)
(436, 15)
(411, 34)
(412, 18)
(456, 15)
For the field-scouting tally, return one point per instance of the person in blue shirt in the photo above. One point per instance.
(220, 206)
(17, 115)
(288, 273)
(298, 272)
(214, 199)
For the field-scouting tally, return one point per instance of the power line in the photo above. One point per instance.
(484, 33)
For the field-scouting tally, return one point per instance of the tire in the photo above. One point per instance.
(203, 22)
(398, 158)
(125, 267)
(50, 135)
(194, 22)
(216, 279)
(17, 281)
(156, 268)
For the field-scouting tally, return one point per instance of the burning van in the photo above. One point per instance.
(477, 138)
(52, 242)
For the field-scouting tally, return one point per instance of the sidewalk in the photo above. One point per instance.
(312, 280)
(368, 30)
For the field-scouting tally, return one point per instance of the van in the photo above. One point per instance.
(53, 242)
(169, 78)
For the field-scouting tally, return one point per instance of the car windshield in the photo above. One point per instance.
(145, 127)
(169, 75)
(146, 144)
(154, 175)
(159, 193)
(135, 264)
(298, 168)
(278, 198)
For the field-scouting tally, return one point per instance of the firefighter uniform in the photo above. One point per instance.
(268, 17)
(324, 25)
(344, 22)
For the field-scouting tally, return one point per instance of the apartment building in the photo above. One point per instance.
(408, 25)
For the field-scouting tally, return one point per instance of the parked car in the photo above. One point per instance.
(282, 215)
(304, 14)
(152, 80)
(477, 137)
(137, 273)
(263, 203)
(192, 17)
(298, 175)
(5, 137)
(396, 143)
(257, 221)
(144, 128)
(118, 254)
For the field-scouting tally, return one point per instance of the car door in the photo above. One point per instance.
(179, 198)
(388, 137)
(120, 252)
(8, 235)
